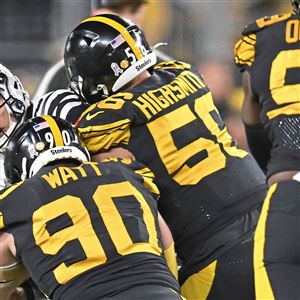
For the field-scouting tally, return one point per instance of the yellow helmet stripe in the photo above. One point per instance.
(58, 139)
(122, 30)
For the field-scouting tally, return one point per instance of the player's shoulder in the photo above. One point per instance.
(11, 190)
(126, 163)
(63, 103)
(176, 68)
(173, 64)
(264, 22)
(109, 109)
(120, 163)
(245, 48)
(56, 95)
(8, 198)
(134, 168)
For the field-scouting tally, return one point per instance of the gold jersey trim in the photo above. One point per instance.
(266, 21)
(10, 190)
(292, 109)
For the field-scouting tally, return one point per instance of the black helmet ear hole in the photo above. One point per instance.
(88, 40)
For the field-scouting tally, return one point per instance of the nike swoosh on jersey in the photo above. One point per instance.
(90, 116)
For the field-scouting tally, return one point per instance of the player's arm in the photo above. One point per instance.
(250, 107)
(118, 152)
(12, 271)
(63, 103)
(257, 137)
(168, 245)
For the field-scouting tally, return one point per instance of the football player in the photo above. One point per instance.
(55, 78)
(14, 102)
(268, 54)
(211, 191)
(14, 110)
(83, 230)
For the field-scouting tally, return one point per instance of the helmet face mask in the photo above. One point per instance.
(103, 54)
(15, 102)
(38, 142)
(296, 6)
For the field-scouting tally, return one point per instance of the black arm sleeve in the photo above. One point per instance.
(259, 144)
(31, 290)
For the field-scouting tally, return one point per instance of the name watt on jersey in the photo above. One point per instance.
(62, 175)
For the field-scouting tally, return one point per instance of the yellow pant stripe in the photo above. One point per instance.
(263, 289)
(199, 285)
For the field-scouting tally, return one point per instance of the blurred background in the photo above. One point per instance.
(201, 32)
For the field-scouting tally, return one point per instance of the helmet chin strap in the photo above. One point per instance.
(76, 86)
(12, 126)
(24, 172)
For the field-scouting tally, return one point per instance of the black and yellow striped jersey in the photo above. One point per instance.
(269, 51)
(89, 231)
(170, 123)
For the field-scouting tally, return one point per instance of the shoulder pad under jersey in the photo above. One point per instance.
(148, 177)
(261, 23)
(244, 51)
(3, 194)
(174, 64)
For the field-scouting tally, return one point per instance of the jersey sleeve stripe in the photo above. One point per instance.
(10, 190)
(292, 109)
(87, 131)
(101, 142)
(244, 51)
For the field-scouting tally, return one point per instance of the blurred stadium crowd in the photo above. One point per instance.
(33, 35)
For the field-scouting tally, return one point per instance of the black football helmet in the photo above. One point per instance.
(103, 54)
(38, 142)
(15, 99)
(296, 6)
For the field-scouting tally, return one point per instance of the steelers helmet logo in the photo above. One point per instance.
(39, 146)
(124, 64)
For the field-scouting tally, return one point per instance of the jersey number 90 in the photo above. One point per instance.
(82, 229)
